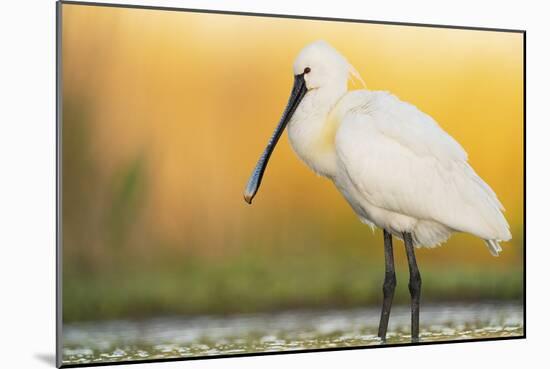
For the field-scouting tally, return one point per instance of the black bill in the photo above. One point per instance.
(298, 92)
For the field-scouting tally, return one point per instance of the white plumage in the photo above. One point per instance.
(395, 166)
(393, 163)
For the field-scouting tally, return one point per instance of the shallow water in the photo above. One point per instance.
(174, 337)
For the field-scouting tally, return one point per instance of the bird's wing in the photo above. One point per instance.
(399, 159)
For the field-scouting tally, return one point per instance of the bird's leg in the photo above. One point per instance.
(415, 283)
(389, 286)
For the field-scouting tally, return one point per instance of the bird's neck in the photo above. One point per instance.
(313, 127)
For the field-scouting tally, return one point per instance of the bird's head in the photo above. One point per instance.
(317, 67)
(322, 66)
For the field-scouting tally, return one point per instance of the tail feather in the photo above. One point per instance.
(493, 246)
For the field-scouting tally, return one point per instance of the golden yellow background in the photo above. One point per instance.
(165, 114)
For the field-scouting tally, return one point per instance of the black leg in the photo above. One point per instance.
(415, 283)
(389, 286)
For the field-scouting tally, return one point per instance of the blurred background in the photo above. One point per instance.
(164, 116)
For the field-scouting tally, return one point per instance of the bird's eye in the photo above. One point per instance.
(307, 70)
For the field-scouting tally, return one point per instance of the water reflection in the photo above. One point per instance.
(214, 335)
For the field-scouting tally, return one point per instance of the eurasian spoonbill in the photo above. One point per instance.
(394, 165)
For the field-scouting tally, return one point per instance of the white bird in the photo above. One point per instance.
(394, 165)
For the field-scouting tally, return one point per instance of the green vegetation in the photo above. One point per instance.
(253, 283)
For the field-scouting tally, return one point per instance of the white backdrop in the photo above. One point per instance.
(27, 185)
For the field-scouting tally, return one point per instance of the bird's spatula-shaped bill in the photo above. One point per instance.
(298, 92)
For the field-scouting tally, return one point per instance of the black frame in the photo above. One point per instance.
(58, 117)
